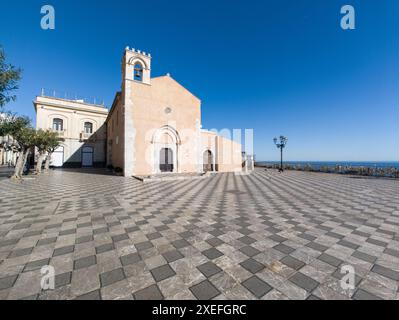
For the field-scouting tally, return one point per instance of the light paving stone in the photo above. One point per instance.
(314, 223)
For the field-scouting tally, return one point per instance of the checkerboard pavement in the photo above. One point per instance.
(260, 236)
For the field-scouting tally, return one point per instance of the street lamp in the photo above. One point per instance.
(280, 143)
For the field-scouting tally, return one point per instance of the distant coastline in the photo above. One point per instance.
(318, 164)
(366, 168)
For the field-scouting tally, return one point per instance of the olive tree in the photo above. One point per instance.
(53, 142)
(9, 77)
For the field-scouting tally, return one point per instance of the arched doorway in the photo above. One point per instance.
(165, 148)
(166, 160)
(208, 161)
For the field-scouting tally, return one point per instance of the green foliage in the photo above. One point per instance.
(9, 77)
(46, 140)
(26, 137)
(11, 124)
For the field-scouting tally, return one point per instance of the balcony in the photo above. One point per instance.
(61, 133)
(84, 136)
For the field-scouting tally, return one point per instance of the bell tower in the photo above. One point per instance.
(136, 66)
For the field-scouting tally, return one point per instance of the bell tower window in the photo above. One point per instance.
(138, 72)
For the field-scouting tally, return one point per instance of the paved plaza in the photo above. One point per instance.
(260, 236)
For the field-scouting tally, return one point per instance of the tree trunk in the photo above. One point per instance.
(39, 163)
(25, 158)
(19, 166)
(47, 163)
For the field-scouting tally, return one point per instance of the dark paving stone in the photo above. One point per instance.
(330, 259)
(214, 242)
(334, 235)
(34, 265)
(391, 274)
(316, 246)
(377, 242)
(132, 229)
(212, 253)
(130, 259)
(100, 230)
(94, 295)
(63, 250)
(292, 262)
(63, 279)
(162, 273)
(33, 233)
(209, 269)
(120, 237)
(46, 241)
(364, 295)
(111, 277)
(178, 244)
(84, 239)
(186, 234)
(173, 255)
(304, 282)
(143, 245)
(249, 251)
(364, 256)
(104, 248)
(247, 240)
(252, 265)
(84, 262)
(67, 232)
(204, 290)
(312, 297)
(7, 282)
(277, 238)
(257, 286)
(348, 244)
(8, 242)
(392, 252)
(154, 235)
(283, 248)
(149, 293)
(20, 252)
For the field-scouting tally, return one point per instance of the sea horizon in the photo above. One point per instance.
(371, 164)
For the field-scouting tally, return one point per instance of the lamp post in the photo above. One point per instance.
(280, 143)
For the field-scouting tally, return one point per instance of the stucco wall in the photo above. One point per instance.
(74, 115)
(228, 154)
(164, 104)
(115, 135)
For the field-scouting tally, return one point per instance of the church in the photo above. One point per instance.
(153, 127)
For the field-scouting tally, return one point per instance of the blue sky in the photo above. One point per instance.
(278, 67)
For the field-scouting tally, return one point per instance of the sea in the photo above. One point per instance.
(318, 164)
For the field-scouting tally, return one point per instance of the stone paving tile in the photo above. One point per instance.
(149, 293)
(162, 272)
(204, 290)
(261, 236)
(257, 286)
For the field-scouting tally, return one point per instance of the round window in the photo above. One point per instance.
(168, 110)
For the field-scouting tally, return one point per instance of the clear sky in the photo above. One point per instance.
(277, 67)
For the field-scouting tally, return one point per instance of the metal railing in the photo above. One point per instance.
(70, 96)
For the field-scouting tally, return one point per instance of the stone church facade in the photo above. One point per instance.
(153, 127)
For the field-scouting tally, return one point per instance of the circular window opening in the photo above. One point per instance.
(168, 110)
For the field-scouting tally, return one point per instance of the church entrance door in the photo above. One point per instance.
(166, 160)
